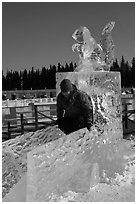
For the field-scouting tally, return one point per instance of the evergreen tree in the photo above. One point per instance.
(71, 67)
(9, 80)
(51, 82)
(115, 66)
(25, 80)
(46, 78)
(37, 78)
(59, 67)
(4, 86)
(133, 72)
(32, 78)
(43, 78)
(123, 72)
(66, 67)
(127, 76)
(21, 80)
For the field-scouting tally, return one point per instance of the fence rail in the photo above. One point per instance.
(39, 117)
(24, 124)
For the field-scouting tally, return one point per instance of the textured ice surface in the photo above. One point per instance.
(104, 88)
(75, 163)
(12, 171)
(94, 56)
(14, 155)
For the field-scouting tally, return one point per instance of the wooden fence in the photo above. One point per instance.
(39, 117)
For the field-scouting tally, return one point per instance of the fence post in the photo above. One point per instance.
(9, 133)
(22, 124)
(126, 116)
(36, 116)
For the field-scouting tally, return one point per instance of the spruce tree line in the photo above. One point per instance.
(46, 78)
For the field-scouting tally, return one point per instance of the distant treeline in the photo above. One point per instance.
(46, 77)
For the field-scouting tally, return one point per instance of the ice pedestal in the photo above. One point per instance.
(104, 88)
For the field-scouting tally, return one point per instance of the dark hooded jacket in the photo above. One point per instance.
(77, 105)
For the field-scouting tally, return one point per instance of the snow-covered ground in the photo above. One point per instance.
(120, 188)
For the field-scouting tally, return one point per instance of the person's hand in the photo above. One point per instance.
(89, 127)
(55, 122)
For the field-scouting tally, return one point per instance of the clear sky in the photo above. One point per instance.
(40, 33)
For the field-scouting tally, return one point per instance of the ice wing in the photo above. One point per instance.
(107, 44)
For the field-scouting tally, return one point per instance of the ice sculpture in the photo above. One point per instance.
(60, 166)
(94, 56)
